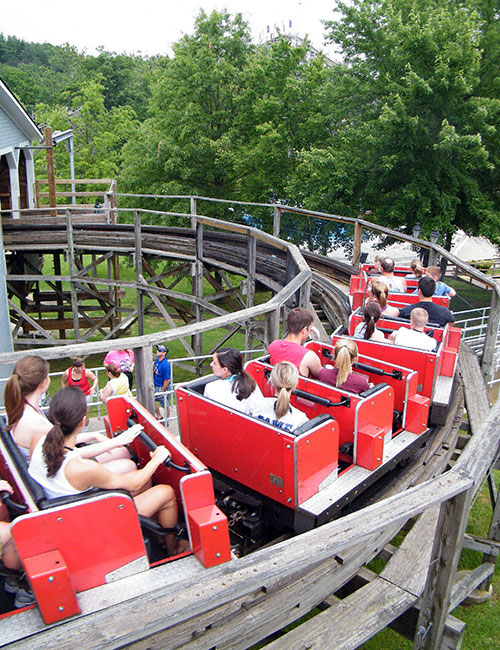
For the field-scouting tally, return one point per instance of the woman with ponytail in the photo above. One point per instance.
(57, 465)
(23, 390)
(378, 292)
(278, 410)
(235, 387)
(342, 376)
(27, 422)
(367, 329)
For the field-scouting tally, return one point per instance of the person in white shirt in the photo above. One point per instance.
(58, 467)
(395, 283)
(235, 387)
(415, 337)
(367, 328)
(278, 410)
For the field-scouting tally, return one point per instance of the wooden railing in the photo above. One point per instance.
(102, 205)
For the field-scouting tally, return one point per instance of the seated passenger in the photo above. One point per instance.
(8, 553)
(342, 376)
(376, 270)
(15, 583)
(58, 467)
(24, 388)
(278, 410)
(415, 337)
(299, 326)
(394, 283)
(437, 313)
(235, 388)
(442, 289)
(417, 270)
(28, 423)
(118, 383)
(367, 329)
(378, 292)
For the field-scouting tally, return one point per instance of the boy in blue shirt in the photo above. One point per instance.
(161, 379)
(442, 289)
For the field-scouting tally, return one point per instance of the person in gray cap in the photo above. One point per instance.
(161, 379)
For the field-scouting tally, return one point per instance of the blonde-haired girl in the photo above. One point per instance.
(277, 410)
(343, 376)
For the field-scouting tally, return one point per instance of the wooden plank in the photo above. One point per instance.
(444, 561)
(167, 316)
(375, 605)
(76, 181)
(138, 271)
(60, 323)
(467, 583)
(476, 396)
(28, 320)
(482, 545)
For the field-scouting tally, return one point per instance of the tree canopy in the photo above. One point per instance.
(404, 129)
(416, 114)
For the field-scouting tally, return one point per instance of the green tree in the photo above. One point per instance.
(281, 110)
(185, 147)
(99, 134)
(415, 117)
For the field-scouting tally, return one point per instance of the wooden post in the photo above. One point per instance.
(138, 272)
(444, 561)
(276, 221)
(432, 256)
(37, 194)
(59, 299)
(116, 290)
(72, 272)
(356, 253)
(272, 330)
(290, 273)
(197, 287)
(107, 204)
(251, 264)
(487, 362)
(305, 295)
(494, 534)
(50, 170)
(192, 207)
(144, 376)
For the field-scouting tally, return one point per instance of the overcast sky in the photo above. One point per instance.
(152, 26)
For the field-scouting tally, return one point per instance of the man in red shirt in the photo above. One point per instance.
(299, 326)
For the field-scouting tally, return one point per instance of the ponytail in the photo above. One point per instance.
(243, 384)
(29, 372)
(371, 314)
(53, 450)
(345, 351)
(284, 378)
(379, 290)
(67, 409)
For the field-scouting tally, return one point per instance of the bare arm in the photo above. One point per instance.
(105, 444)
(83, 474)
(310, 365)
(92, 378)
(64, 379)
(106, 392)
